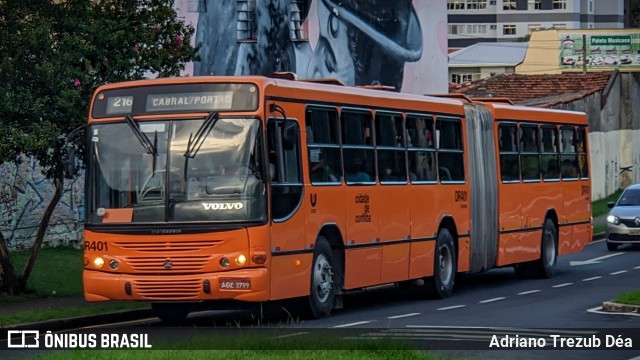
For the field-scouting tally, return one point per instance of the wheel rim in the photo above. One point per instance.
(322, 278)
(445, 262)
(549, 249)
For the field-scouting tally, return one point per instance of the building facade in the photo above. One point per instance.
(472, 21)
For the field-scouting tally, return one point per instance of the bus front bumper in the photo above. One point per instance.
(243, 285)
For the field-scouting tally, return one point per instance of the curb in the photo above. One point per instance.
(610, 306)
(82, 321)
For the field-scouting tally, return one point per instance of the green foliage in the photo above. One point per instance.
(629, 298)
(55, 54)
(600, 207)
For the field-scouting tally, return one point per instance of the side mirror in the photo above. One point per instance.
(611, 204)
(69, 154)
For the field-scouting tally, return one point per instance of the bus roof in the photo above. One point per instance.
(320, 92)
(505, 111)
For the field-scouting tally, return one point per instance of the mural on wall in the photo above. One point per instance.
(24, 196)
(360, 42)
(399, 43)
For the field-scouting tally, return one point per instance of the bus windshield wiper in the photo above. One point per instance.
(149, 148)
(195, 141)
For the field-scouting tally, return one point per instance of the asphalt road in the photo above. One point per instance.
(483, 305)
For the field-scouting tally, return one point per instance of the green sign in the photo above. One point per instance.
(610, 40)
(605, 52)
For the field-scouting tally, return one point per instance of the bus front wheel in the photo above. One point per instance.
(445, 265)
(324, 283)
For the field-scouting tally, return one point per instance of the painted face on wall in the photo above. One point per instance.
(365, 42)
(331, 58)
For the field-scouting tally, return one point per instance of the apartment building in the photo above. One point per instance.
(473, 21)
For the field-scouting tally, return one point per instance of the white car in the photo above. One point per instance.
(623, 222)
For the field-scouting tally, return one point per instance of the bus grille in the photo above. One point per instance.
(172, 246)
(166, 264)
(182, 289)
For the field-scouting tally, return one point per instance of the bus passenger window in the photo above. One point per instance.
(322, 163)
(509, 157)
(324, 158)
(583, 167)
(450, 152)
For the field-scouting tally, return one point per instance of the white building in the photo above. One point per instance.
(473, 21)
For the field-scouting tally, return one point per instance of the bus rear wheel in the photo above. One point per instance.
(545, 267)
(171, 313)
(324, 284)
(445, 265)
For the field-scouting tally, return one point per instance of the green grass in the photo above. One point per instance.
(243, 354)
(57, 272)
(600, 206)
(629, 298)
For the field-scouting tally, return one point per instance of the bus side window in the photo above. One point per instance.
(549, 150)
(323, 146)
(509, 161)
(450, 151)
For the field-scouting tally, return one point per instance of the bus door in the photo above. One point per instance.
(290, 256)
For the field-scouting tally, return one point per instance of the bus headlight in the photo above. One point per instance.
(98, 262)
(241, 259)
(613, 219)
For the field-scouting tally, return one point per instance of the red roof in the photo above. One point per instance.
(540, 90)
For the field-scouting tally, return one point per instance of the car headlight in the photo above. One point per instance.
(613, 219)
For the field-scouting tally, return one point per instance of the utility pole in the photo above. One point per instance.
(584, 54)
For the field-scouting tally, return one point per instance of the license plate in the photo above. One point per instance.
(634, 232)
(234, 284)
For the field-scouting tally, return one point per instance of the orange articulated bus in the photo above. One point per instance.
(256, 189)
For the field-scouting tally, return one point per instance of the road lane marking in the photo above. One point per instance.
(592, 278)
(636, 268)
(450, 307)
(618, 272)
(402, 316)
(594, 260)
(529, 292)
(353, 324)
(562, 285)
(491, 300)
(292, 335)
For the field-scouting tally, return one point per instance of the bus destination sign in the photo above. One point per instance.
(201, 101)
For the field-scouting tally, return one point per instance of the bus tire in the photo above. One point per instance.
(324, 284)
(445, 265)
(171, 313)
(546, 266)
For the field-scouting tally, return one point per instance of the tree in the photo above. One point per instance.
(54, 55)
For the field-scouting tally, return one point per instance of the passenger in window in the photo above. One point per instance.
(569, 169)
(272, 166)
(321, 172)
(355, 171)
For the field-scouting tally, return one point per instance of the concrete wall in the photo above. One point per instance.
(614, 134)
(24, 196)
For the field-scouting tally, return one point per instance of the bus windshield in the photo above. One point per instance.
(195, 171)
